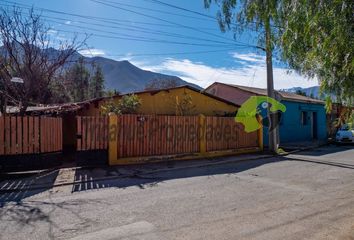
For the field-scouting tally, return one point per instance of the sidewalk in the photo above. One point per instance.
(301, 145)
(78, 175)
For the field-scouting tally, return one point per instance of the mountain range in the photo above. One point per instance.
(310, 91)
(126, 77)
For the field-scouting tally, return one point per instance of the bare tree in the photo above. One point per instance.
(31, 53)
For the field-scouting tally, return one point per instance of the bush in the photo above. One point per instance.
(128, 104)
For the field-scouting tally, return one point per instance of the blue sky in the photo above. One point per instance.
(161, 38)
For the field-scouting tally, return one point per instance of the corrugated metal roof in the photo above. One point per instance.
(53, 108)
(284, 95)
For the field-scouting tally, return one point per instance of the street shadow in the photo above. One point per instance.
(322, 162)
(134, 175)
(14, 190)
(329, 149)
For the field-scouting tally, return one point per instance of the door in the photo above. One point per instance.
(314, 125)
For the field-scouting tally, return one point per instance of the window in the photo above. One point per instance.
(304, 118)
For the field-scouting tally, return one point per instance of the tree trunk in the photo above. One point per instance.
(273, 139)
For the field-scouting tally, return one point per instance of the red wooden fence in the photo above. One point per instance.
(157, 135)
(28, 135)
(223, 133)
(92, 133)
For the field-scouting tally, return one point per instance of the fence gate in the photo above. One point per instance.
(92, 133)
(30, 135)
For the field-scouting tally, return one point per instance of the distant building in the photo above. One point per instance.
(304, 119)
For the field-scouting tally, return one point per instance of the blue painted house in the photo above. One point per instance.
(304, 119)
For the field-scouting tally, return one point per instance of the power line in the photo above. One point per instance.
(154, 10)
(171, 53)
(128, 28)
(130, 37)
(147, 40)
(195, 12)
(99, 19)
(135, 38)
(167, 21)
(181, 8)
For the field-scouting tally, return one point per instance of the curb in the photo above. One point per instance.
(48, 186)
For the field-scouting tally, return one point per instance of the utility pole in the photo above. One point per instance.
(273, 139)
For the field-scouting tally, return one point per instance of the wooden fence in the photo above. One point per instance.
(136, 136)
(29, 135)
(223, 133)
(157, 135)
(92, 133)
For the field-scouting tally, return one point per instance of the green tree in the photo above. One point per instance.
(78, 77)
(97, 83)
(263, 16)
(318, 40)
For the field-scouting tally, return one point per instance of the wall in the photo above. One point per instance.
(291, 128)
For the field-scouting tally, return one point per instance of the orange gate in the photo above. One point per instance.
(92, 133)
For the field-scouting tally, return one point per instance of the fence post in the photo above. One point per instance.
(112, 139)
(202, 134)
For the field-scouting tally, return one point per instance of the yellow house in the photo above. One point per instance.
(183, 100)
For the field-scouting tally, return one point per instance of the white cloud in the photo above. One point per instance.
(253, 75)
(248, 58)
(92, 52)
(68, 22)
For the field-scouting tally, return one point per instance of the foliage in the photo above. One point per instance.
(184, 106)
(156, 84)
(128, 104)
(78, 78)
(346, 116)
(256, 15)
(80, 85)
(328, 104)
(97, 83)
(318, 40)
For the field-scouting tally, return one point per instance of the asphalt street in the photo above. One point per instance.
(308, 195)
